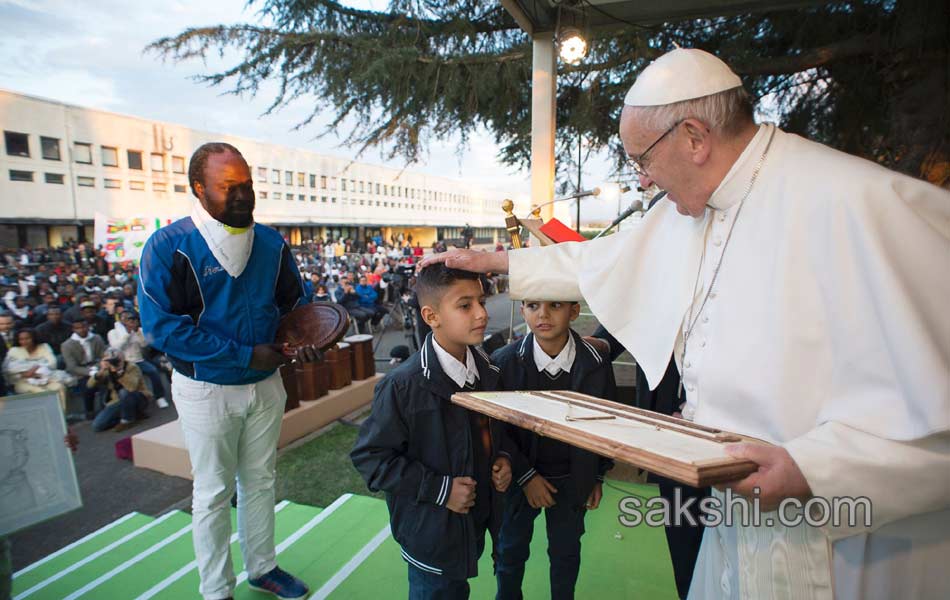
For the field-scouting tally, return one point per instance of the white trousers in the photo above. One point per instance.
(231, 433)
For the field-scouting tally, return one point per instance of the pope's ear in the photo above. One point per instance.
(698, 138)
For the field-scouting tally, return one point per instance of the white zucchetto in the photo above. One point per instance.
(681, 74)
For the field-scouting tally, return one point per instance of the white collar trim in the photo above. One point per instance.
(459, 373)
(554, 365)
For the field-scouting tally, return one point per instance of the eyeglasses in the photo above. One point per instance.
(638, 164)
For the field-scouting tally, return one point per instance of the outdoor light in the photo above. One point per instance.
(611, 191)
(573, 46)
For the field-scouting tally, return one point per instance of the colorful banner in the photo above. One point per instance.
(122, 239)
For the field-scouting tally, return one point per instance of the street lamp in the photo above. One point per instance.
(572, 46)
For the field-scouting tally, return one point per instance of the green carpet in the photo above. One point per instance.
(342, 551)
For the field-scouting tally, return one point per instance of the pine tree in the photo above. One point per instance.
(868, 77)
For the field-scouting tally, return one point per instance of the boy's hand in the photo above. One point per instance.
(538, 491)
(462, 497)
(501, 474)
(593, 501)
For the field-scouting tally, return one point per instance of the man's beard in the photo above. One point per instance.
(239, 206)
(237, 218)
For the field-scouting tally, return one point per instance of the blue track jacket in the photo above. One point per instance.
(206, 321)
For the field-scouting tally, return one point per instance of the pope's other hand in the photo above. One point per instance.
(469, 260)
(777, 478)
(267, 357)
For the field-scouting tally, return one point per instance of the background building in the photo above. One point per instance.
(63, 164)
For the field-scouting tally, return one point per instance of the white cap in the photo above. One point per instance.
(681, 74)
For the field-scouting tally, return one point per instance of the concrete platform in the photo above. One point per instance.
(162, 448)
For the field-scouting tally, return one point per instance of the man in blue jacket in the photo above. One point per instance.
(213, 287)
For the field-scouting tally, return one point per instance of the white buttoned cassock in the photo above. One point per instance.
(826, 332)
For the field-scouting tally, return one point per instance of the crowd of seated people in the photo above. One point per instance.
(62, 309)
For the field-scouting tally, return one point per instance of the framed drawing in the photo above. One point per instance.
(37, 476)
(676, 448)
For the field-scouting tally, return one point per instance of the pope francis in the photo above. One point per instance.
(803, 293)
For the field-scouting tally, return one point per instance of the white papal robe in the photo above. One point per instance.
(827, 332)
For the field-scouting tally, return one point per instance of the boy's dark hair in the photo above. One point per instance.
(432, 282)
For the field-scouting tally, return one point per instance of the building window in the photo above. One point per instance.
(180, 188)
(313, 198)
(343, 185)
(18, 144)
(83, 181)
(158, 162)
(49, 147)
(301, 197)
(178, 164)
(289, 177)
(159, 186)
(82, 153)
(333, 183)
(56, 178)
(138, 186)
(323, 199)
(362, 189)
(323, 182)
(262, 174)
(352, 185)
(276, 195)
(110, 156)
(21, 175)
(135, 159)
(262, 195)
(332, 199)
(300, 179)
(113, 184)
(276, 176)
(313, 180)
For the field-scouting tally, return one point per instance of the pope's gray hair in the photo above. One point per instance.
(726, 113)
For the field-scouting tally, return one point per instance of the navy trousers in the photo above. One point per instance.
(565, 526)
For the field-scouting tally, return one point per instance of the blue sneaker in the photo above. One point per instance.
(281, 584)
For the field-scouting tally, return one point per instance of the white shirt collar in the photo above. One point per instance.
(733, 186)
(554, 365)
(457, 372)
(232, 250)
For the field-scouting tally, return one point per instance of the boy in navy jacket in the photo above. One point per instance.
(436, 461)
(562, 479)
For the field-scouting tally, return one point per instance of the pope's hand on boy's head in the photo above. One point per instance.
(469, 260)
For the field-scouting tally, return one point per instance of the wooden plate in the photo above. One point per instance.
(319, 324)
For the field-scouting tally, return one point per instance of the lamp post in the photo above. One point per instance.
(580, 145)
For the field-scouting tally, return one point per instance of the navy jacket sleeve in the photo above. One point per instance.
(521, 468)
(177, 334)
(380, 453)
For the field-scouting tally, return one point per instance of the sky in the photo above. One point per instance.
(91, 54)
